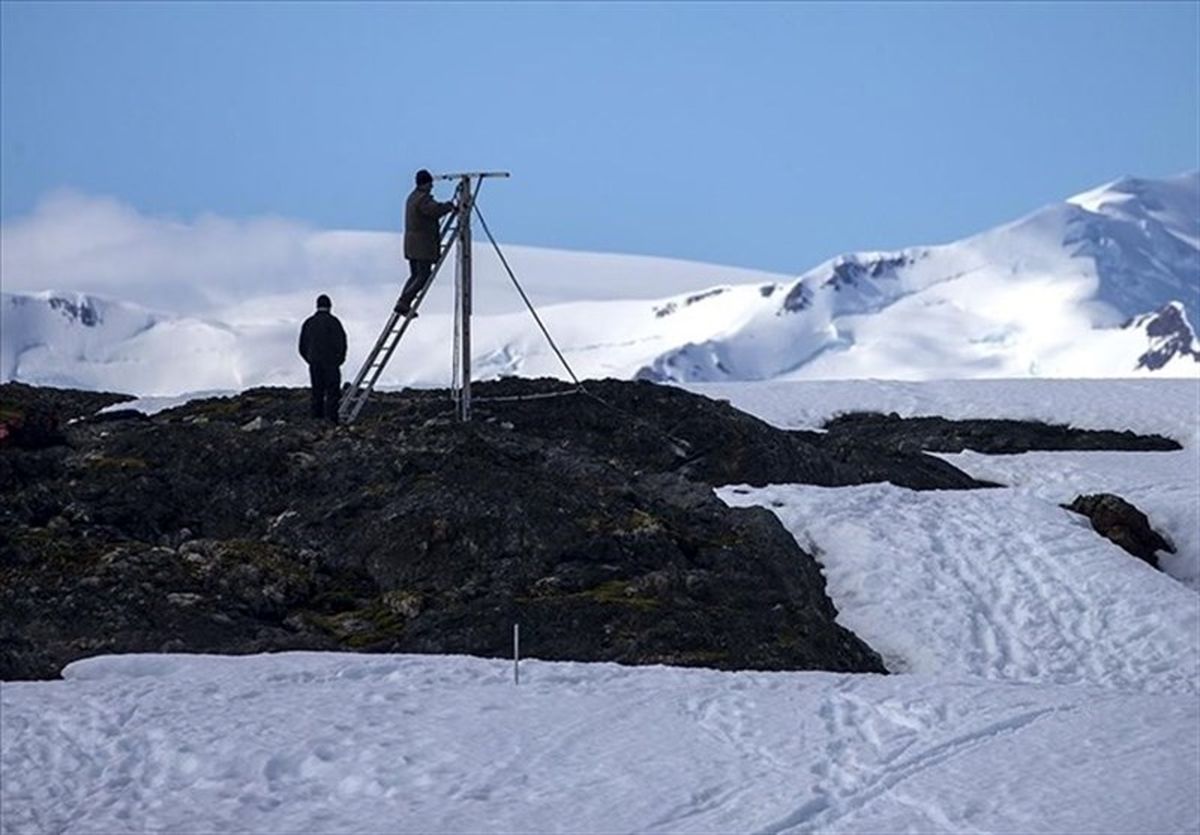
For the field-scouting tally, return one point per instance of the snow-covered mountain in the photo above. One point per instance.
(1104, 284)
(77, 340)
(1043, 296)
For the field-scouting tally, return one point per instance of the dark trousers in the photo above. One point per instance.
(326, 390)
(418, 276)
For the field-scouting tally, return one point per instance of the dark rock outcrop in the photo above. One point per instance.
(237, 525)
(67, 404)
(1170, 335)
(991, 436)
(32, 418)
(1120, 522)
(666, 429)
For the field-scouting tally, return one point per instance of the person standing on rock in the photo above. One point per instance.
(422, 239)
(323, 346)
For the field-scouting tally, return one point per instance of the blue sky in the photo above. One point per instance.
(769, 136)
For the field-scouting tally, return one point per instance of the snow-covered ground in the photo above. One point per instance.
(991, 583)
(1047, 681)
(1166, 407)
(341, 743)
(1165, 485)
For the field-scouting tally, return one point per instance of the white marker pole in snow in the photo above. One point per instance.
(516, 653)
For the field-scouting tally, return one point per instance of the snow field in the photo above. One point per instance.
(1163, 406)
(1163, 485)
(350, 743)
(993, 584)
(1004, 583)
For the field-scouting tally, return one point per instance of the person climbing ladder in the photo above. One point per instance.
(422, 239)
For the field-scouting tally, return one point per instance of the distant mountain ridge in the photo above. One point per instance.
(81, 340)
(1082, 268)
(1104, 284)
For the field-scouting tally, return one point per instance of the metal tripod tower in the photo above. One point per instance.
(468, 191)
(469, 184)
(456, 231)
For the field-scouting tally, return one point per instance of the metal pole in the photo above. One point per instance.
(516, 653)
(464, 279)
(456, 352)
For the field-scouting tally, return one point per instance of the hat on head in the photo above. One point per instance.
(424, 177)
(323, 302)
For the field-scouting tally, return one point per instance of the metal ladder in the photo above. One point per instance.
(364, 382)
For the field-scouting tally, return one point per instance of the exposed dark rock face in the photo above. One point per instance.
(36, 427)
(991, 437)
(83, 311)
(32, 418)
(237, 525)
(851, 271)
(66, 404)
(1170, 336)
(670, 307)
(665, 429)
(1119, 521)
(798, 298)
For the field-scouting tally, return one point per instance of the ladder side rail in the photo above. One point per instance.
(374, 369)
(356, 398)
(383, 334)
(354, 392)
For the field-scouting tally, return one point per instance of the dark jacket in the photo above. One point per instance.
(323, 340)
(421, 213)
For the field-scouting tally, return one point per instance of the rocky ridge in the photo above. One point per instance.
(239, 525)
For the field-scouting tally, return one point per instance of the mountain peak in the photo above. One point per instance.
(1172, 201)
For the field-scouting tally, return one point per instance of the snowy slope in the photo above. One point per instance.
(82, 341)
(991, 584)
(1043, 296)
(253, 341)
(1105, 284)
(1164, 485)
(1147, 405)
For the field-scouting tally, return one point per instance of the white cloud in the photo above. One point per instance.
(100, 245)
(213, 265)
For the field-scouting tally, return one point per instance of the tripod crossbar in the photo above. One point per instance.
(479, 175)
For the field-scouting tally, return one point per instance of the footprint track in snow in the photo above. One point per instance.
(866, 782)
(996, 583)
